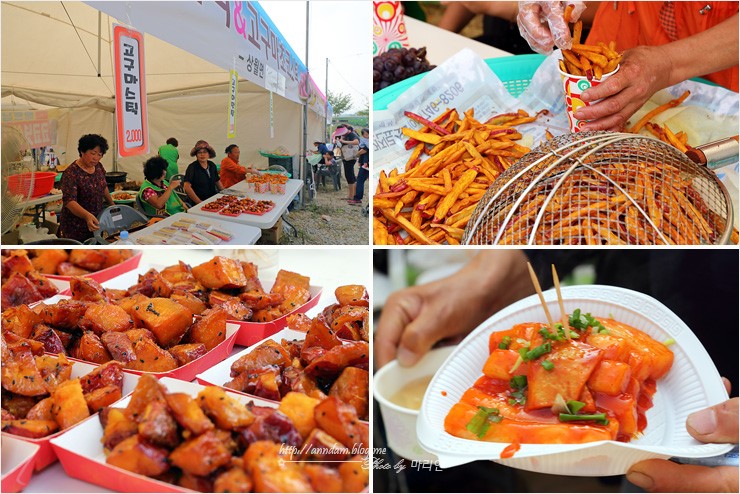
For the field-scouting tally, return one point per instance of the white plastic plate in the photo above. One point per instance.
(692, 384)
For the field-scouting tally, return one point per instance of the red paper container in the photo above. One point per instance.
(81, 452)
(252, 332)
(46, 455)
(17, 463)
(105, 274)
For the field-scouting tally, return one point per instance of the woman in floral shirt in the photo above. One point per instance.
(84, 190)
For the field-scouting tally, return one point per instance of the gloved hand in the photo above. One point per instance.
(542, 24)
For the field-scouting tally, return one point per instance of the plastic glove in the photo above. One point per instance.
(542, 24)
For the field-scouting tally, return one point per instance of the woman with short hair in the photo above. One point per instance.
(157, 195)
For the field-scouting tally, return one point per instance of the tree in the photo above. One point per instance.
(364, 113)
(339, 102)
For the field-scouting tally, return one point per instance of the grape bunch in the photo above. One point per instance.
(398, 64)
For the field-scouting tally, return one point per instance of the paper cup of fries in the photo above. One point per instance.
(573, 87)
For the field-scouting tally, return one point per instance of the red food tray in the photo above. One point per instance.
(46, 455)
(17, 459)
(106, 274)
(233, 215)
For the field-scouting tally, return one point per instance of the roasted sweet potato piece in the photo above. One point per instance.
(41, 410)
(17, 262)
(320, 446)
(194, 482)
(108, 374)
(267, 384)
(210, 329)
(129, 304)
(66, 268)
(352, 295)
(300, 409)
(355, 474)
(21, 376)
(102, 397)
(117, 427)
(87, 289)
(17, 344)
(116, 294)
(294, 288)
(92, 259)
(233, 480)
(299, 322)
(47, 261)
(151, 357)
(352, 387)
(348, 315)
(148, 390)
(19, 290)
(323, 478)
(33, 429)
(157, 426)
(252, 275)
(270, 472)
(6, 415)
(116, 256)
(69, 405)
(267, 315)
(20, 320)
(201, 455)
(43, 284)
(257, 299)
(352, 354)
(17, 405)
(220, 272)
(135, 334)
(53, 370)
(65, 314)
(119, 346)
(187, 299)
(266, 354)
(152, 284)
(235, 308)
(90, 347)
(188, 414)
(167, 319)
(187, 352)
(225, 411)
(340, 421)
(138, 456)
(50, 339)
(320, 335)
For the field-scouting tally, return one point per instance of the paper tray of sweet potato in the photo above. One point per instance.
(43, 395)
(174, 436)
(99, 264)
(258, 307)
(691, 384)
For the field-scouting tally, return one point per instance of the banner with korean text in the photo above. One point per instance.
(222, 32)
(131, 117)
(233, 92)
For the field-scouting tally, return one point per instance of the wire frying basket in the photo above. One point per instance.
(597, 188)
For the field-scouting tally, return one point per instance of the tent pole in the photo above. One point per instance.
(326, 101)
(302, 164)
(100, 40)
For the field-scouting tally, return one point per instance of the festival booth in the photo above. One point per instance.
(65, 73)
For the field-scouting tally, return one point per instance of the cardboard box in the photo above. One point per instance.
(272, 235)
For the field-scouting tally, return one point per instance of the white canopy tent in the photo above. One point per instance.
(57, 56)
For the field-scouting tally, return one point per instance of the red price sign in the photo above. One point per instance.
(131, 114)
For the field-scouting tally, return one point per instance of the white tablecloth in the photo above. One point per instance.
(242, 234)
(267, 220)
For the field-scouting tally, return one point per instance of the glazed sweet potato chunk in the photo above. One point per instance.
(235, 308)
(129, 304)
(187, 352)
(50, 339)
(108, 374)
(91, 259)
(101, 318)
(151, 357)
(352, 354)
(41, 410)
(117, 427)
(355, 476)
(19, 290)
(167, 319)
(300, 409)
(257, 299)
(157, 426)
(138, 456)
(187, 299)
(53, 370)
(87, 289)
(116, 256)
(33, 429)
(352, 295)
(69, 405)
(102, 397)
(293, 287)
(47, 261)
(210, 329)
(20, 375)
(323, 478)
(119, 346)
(201, 455)
(225, 411)
(265, 463)
(17, 262)
(266, 354)
(152, 284)
(320, 446)
(148, 390)
(233, 480)
(340, 421)
(20, 320)
(352, 387)
(66, 268)
(65, 314)
(188, 414)
(299, 322)
(220, 272)
(321, 335)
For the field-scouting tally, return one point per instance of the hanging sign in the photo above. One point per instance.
(131, 115)
(233, 91)
(272, 128)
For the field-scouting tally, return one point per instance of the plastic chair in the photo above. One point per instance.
(115, 219)
(332, 171)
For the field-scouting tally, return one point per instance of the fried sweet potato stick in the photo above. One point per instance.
(657, 111)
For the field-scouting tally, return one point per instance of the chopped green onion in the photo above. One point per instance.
(548, 365)
(516, 365)
(599, 418)
(669, 342)
(560, 336)
(482, 420)
(575, 406)
(536, 352)
(505, 342)
(518, 382)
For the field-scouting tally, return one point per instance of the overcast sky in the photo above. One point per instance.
(339, 31)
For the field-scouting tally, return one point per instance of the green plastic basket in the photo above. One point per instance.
(515, 72)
